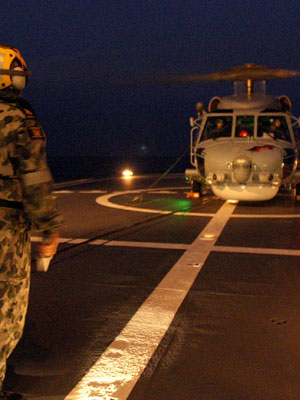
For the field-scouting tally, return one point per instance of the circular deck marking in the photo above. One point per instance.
(105, 201)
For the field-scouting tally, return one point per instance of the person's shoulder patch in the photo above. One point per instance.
(29, 114)
(35, 132)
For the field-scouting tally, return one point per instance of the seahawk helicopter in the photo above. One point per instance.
(244, 146)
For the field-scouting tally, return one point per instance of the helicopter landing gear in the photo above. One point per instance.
(197, 187)
(196, 190)
(297, 191)
(294, 190)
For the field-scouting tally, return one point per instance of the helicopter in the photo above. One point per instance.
(245, 146)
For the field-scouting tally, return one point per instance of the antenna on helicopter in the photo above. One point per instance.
(200, 108)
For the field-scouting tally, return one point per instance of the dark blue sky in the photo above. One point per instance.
(77, 50)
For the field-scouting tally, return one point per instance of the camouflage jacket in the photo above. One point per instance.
(24, 174)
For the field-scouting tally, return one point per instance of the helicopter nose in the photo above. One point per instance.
(241, 169)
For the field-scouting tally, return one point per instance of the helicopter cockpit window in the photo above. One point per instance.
(244, 126)
(274, 127)
(217, 127)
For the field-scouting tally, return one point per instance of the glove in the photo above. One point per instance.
(49, 246)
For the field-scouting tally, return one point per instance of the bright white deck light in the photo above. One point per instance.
(127, 173)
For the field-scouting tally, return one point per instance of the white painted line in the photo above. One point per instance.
(92, 191)
(151, 245)
(194, 214)
(61, 240)
(177, 246)
(266, 216)
(118, 369)
(79, 191)
(161, 192)
(116, 243)
(77, 241)
(98, 242)
(64, 240)
(257, 250)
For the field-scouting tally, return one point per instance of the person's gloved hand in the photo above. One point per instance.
(49, 246)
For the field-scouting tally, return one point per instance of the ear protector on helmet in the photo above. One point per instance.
(18, 81)
(13, 68)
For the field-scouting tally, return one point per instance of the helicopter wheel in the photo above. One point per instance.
(297, 192)
(293, 192)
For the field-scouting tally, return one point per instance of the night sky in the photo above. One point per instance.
(79, 52)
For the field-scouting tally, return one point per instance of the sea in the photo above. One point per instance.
(66, 169)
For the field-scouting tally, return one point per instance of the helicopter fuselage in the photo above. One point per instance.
(244, 147)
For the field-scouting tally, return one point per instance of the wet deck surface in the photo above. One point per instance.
(235, 334)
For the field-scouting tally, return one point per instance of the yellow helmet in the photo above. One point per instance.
(13, 68)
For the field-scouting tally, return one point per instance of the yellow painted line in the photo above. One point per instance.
(115, 373)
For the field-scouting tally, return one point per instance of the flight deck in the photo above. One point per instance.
(154, 295)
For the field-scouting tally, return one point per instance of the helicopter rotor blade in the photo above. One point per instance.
(243, 73)
(253, 72)
(247, 72)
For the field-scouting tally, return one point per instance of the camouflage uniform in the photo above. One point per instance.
(26, 201)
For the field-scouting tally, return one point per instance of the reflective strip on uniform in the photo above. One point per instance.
(34, 178)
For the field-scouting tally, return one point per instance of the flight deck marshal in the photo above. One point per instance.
(26, 201)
